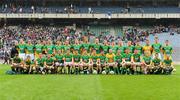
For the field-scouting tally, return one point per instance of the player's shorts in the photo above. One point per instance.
(85, 64)
(137, 63)
(76, 64)
(31, 56)
(111, 64)
(128, 63)
(68, 63)
(22, 56)
(159, 56)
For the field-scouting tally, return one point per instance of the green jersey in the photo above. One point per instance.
(76, 46)
(147, 59)
(139, 48)
(167, 49)
(85, 46)
(94, 58)
(96, 47)
(118, 58)
(156, 48)
(136, 57)
(77, 58)
(30, 48)
(167, 62)
(67, 47)
(50, 49)
(68, 57)
(131, 48)
(49, 61)
(85, 58)
(28, 62)
(59, 47)
(105, 48)
(39, 48)
(114, 48)
(21, 48)
(156, 61)
(102, 59)
(40, 62)
(121, 48)
(17, 60)
(59, 58)
(127, 57)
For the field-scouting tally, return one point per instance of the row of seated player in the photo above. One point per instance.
(94, 10)
(117, 59)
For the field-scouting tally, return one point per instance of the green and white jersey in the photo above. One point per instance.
(49, 61)
(127, 57)
(40, 61)
(139, 48)
(85, 58)
(137, 57)
(59, 47)
(50, 49)
(102, 59)
(94, 58)
(118, 58)
(28, 62)
(59, 58)
(21, 48)
(121, 48)
(30, 48)
(77, 46)
(131, 48)
(86, 46)
(167, 62)
(167, 49)
(114, 48)
(156, 48)
(77, 58)
(105, 48)
(68, 57)
(17, 60)
(147, 59)
(156, 61)
(97, 47)
(67, 47)
(39, 48)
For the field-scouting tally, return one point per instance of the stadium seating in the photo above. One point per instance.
(98, 10)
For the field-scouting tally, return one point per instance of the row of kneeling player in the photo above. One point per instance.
(103, 64)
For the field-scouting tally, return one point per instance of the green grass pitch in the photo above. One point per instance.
(89, 87)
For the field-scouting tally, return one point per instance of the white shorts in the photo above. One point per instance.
(137, 63)
(110, 64)
(31, 55)
(67, 63)
(22, 56)
(159, 56)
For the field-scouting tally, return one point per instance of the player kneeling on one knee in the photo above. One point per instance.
(68, 62)
(77, 65)
(147, 62)
(127, 62)
(17, 64)
(27, 65)
(157, 65)
(110, 59)
(118, 62)
(39, 64)
(49, 64)
(137, 65)
(167, 65)
(59, 62)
